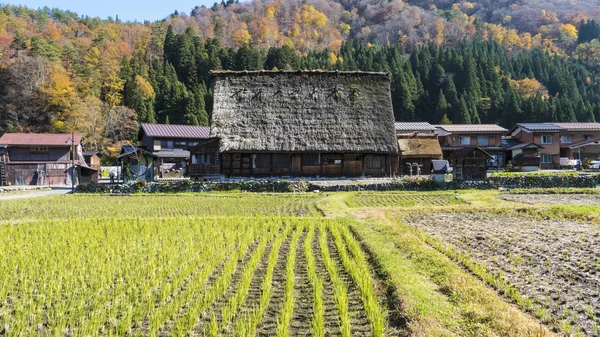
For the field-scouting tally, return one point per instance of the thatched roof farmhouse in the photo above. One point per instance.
(303, 123)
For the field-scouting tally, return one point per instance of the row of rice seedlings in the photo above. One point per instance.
(285, 317)
(171, 311)
(359, 270)
(230, 310)
(62, 292)
(339, 287)
(318, 323)
(165, 288)
(246, 325)
(186, 322)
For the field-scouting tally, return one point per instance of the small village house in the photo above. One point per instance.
(559, 140)
(487, 137)
(299, 123)
(418, 146)
(524, 156)
(469, 164)
(137, 164)
(170, 144)
(41, 159)
(90, 172)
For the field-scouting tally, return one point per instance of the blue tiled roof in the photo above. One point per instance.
(539, 126)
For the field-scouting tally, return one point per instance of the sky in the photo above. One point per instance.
(127, 10)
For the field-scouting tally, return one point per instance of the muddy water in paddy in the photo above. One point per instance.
(555, 263)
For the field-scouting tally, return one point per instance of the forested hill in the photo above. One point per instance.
(450, 61)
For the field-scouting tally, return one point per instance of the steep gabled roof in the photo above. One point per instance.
(414, 126)
(303, 111)
(472, 128)
(174, 131)
(45, 139)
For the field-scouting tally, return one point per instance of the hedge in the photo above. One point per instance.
(405, 184)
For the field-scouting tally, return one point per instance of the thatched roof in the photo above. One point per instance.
(419, 146)
(303, 111)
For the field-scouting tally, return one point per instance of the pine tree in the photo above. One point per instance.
(463, 112)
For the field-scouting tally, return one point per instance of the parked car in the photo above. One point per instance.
(595, 164)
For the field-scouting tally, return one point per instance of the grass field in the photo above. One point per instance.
(468, 263)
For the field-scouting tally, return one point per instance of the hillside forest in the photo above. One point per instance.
(483, 61)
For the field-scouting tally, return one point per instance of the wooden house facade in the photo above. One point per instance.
(299, 123)
(469, 164)
(41, 159)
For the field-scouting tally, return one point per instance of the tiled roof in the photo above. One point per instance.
(578, 126)
(176, 131)
(414, 126)
(46, 139)
(471, 128)
(525, 145)
(465, 151)
(539, 126)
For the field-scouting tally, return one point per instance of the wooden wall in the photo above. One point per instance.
(327, 165)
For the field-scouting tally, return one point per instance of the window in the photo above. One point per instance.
(483, 140)
(331, 160)
(587, 137)
(310, 159)
(166, 144)
(546, 159)
(374, 163)
(192, 143)
(546, 139)
(201, 159)
(180, 144)
(464, 140)
(566, 139)
(281, 161)
(156, 146)
(39, 149)
(261, 160)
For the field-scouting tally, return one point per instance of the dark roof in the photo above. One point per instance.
(47, 139)
(175, 131)
(472, 128)
(414, 126)
(90, 153)
(203, 142)
(585, 143)
(539, 126)
(510, 142)
(175, 153)
(127, 150)
(465, 151)
(300, 111)
(525, 145)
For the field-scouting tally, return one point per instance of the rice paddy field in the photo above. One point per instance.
(456, 263)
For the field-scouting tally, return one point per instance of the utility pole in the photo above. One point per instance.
(72, 162)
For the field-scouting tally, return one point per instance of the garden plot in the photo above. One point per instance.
(402, 199)
(265, 276)
(554, 199)
(553, 265)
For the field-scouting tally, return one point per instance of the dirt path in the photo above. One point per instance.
(26, 195)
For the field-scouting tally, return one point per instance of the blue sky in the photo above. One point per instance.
(126, 9)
